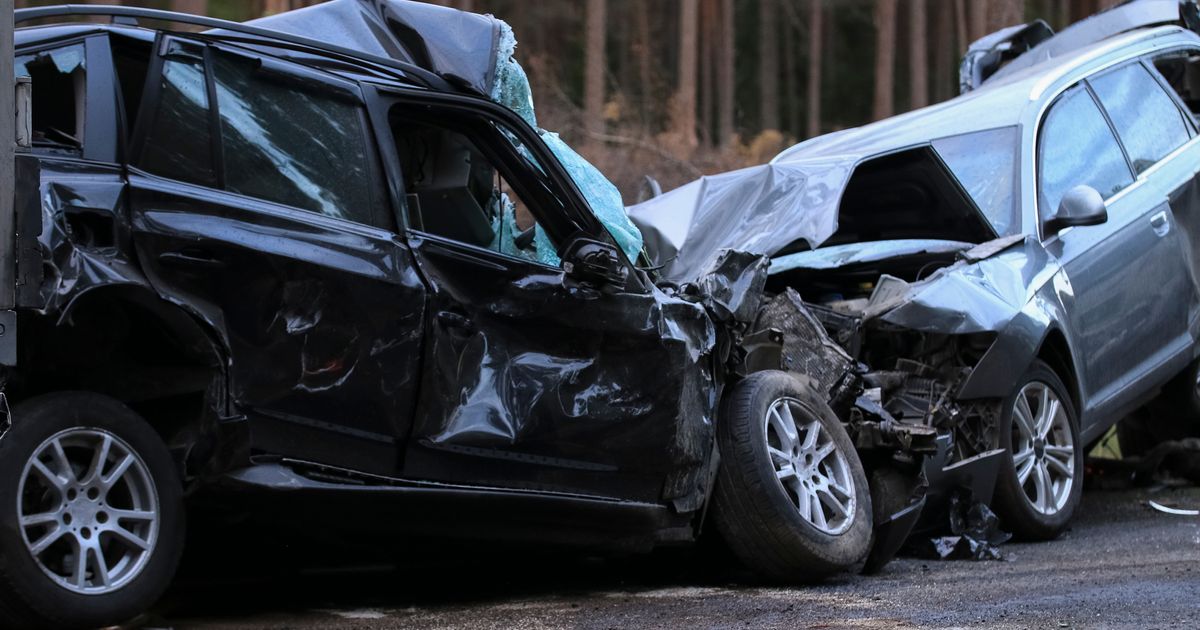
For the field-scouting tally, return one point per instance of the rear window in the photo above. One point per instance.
(1148, 122)
(985, 163)
(59, 91)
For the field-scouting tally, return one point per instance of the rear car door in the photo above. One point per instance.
(535, 380)
(1127, 308)
(258, 204)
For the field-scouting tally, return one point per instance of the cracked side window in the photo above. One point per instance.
(59, 81)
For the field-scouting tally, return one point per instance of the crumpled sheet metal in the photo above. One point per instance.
(71, 271)
(761, 209)
(975, 297)
(839, 256)
(732, 286)
(442, 40)
(547, 372)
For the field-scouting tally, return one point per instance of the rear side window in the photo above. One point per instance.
(292, 143)
(1148, 122)
(59, 81)
(179, 141)
(985, 164)
(1077, 147)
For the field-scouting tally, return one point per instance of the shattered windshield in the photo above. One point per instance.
(985, 164)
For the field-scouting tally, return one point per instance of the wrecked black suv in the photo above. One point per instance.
(351, 276)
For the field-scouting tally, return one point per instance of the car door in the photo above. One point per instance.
(535, 380)
(258, 204)
(1126, 305)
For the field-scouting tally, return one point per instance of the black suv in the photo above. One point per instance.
(249, 264)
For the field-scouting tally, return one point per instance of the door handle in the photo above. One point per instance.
(1160, 224)
(456, 321)
(192, 259)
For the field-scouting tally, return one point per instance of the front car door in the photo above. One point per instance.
(258, 203)
(1127, 308)
(534, 380)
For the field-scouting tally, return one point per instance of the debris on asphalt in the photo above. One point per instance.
(1173, 510)
(975, 534)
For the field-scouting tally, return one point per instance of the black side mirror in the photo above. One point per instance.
(593, 262)
(1082, 205)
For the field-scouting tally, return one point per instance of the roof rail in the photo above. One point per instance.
(411, 70)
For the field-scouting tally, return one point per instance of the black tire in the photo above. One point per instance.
(29, 596)
(1012, 502)
(756, 516)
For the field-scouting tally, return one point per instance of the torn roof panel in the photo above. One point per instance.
(448, 42)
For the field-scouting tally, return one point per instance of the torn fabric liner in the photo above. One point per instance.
(475, 50)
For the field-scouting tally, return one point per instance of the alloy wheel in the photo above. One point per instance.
(1043, 448)
(88, 510)
(814, 474)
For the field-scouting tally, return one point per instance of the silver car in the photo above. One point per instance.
(1017, 266)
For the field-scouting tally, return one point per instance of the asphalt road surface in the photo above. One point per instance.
(1121, 565)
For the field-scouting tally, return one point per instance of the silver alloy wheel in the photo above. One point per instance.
(814, 474)
(88, 510)
(1043, 448)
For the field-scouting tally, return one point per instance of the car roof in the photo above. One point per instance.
(1007, 102)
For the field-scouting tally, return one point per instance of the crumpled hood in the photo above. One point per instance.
(454, 44)
(761, 209)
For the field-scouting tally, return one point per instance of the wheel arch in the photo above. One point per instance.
(154, 356)
(1055, 352)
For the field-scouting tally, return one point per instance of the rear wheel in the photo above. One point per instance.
(792, 499)
(1041, 481)
(92, 525)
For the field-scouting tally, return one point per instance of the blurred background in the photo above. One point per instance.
(679, 88)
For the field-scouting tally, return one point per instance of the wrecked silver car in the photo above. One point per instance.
(1015, 268)
(323, 270)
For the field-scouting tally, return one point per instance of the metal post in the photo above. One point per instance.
(8, 130)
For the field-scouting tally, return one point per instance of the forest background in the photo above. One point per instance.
(675, 89)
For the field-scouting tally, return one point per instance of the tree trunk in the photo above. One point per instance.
(1005, 13)
(944, 75)
(977, 20)
(768, 64)
(271, 7)
(918, 56)
(708, 69)
(195, 7)
(962, 33)
(726, 95)
(684, 110)
(645, 63)
(595, 62)
(885, 53)
(816, 49)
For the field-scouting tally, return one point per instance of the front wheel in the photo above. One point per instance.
(1041, 480)
(792, 500)
(91, 514)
